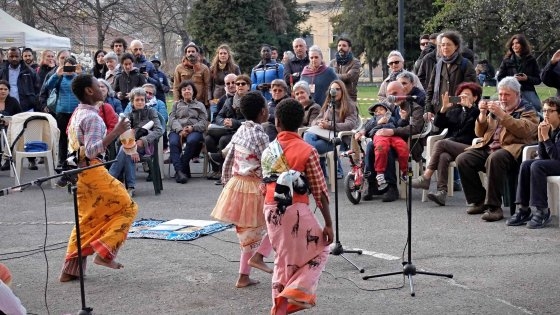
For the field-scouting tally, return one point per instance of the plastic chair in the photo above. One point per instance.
(417, 167)
(35, 130)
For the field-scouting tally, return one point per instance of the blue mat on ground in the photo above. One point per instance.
(175, 230)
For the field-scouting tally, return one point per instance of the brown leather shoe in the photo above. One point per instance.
(476, 208)
(493, 214)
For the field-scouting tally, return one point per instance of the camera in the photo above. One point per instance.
(69, 68)
(143, 69)
(455, 99)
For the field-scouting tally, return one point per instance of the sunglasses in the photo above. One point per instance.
(393, 63)
(230, 83)
(424, 44)
(240, 83)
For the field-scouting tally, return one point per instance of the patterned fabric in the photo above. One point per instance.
(301, 256)
(251, 139)
(86, 127)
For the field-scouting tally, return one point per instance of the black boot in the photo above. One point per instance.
(181, 178)
(5, 165)
(391, 194)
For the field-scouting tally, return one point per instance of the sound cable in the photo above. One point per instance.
(44, 248)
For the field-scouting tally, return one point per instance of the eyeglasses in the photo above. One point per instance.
(240, 83)
(230, 83)
(393, 63)
(549, 111)
(424, 44)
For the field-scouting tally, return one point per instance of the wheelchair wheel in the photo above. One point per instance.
(353, 192)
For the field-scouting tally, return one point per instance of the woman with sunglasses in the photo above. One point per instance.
(395, 62)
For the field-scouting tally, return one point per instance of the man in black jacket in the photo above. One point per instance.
(293, 68)
(550, 74)
(24, 82)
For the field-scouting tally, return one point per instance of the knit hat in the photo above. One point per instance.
(5, 274)
(371, 109)
(191, 44)
(302, 85)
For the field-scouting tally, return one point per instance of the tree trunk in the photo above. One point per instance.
(27, 15)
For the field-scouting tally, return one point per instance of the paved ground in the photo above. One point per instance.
(497, 269)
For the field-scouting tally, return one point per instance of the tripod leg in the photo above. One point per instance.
(383, 275)
(353, 264)
(411, 282)
(447, 275)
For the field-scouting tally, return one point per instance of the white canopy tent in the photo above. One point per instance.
(18, 34)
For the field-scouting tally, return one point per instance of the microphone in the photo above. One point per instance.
(332, 93)
(398, 98)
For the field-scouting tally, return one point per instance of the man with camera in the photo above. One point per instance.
(505, 126)
(145, 66)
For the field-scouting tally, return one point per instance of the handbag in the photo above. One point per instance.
(53, 97)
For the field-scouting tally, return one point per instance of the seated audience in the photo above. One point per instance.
(188, 120)
(531, 184)
(109, 96)
(346, 116)
(145, 139)
(279, 91)
(407, 78)
(505, 127)
(459, 119)
(311, 109)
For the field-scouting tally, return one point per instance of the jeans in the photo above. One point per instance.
(390, 172)
(192, 145)
(124, 166)
(322, 146)
(533, 99)
(531, 185)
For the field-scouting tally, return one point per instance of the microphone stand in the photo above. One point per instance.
(337, 248)
(409, 269)
(85, 310)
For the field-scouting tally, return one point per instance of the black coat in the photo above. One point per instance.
(459, 122)
(28, 85)
(526, 64)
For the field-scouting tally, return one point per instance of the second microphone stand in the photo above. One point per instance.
(337, 248)
(409, 269)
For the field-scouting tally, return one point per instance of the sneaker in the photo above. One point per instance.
(381, 182)
(421, 183)
(439, 197)
(493, 214)
(391, 194)
(130, 191)
(520, 217)
(5, 165)
(32, 165)
(218, 182)
(476, 208)
(539, 219)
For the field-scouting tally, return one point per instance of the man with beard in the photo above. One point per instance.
(24, 81)
(146, 67)
(346, 67)
(192, 69)
(28, 58)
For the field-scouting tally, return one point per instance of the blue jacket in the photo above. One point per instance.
(153, 77)
(265, 74)
(67, 102)
(154, 103)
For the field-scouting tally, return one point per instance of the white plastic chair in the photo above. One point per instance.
(416, 166)
(35, 131)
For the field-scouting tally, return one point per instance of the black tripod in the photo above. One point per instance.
(85, 310)
(337, 248)
(409, 269)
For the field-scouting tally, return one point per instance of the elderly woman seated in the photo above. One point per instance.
(188, 121)
(146, 130)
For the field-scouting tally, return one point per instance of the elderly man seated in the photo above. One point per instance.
(407, 113)
(505, 127)
(147, 129)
